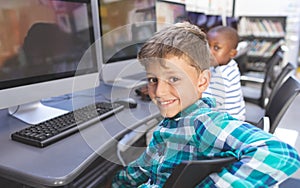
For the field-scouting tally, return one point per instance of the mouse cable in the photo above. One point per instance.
(120, 157)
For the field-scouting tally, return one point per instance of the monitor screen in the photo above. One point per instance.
(125, 25)
(169, 13)
(44, 44)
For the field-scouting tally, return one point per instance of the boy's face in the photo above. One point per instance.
(175, 85)
(221, 48)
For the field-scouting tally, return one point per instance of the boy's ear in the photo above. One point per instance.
(203, 80)
(233, 53)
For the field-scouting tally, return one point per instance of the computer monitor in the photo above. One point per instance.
(168, 12)
(125, 25)
(46, 49)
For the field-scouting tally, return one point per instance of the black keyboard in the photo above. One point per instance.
(53, 130)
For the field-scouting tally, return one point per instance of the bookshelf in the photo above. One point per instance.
(264, 35)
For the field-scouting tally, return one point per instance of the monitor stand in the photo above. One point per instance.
(126, 83)
(130, 81)
(35, 112)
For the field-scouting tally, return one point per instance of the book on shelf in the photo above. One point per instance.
(268, 27)
(279, 28)
(264, 48)
(244, 27)
(260, 28)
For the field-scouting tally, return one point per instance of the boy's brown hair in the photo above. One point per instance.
(183, 40)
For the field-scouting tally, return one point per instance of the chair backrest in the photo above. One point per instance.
(190, 173)
(269, 69)
(283, 75)
(281, 101)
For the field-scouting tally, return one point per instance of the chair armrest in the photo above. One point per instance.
(267, 124)
(190, 173)
(264, 124)
(251, 79)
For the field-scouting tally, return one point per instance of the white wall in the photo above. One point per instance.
(261, 7)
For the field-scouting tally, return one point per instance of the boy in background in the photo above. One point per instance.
(225, 84)
(177, 61)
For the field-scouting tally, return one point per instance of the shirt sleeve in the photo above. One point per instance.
(137, 172)
(263, 160)
(133, 175)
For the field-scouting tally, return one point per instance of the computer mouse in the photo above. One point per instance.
(127, 102)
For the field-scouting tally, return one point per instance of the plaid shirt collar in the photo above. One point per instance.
(204, 104)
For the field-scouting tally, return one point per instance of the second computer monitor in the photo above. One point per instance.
(125, 26)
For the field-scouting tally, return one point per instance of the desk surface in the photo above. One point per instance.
(60, 163)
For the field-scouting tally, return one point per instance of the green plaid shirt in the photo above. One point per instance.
(197, 133)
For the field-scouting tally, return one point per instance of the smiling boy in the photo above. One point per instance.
(177, 63)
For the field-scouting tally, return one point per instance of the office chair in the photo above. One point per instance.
(281, 101)
(190, 173)
(258, 95)
(285, 72)
(290, 182)
(254, 111)
(277, 105)
(258, 77)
